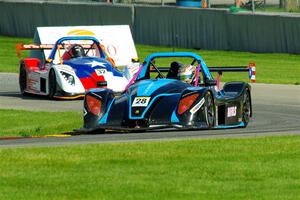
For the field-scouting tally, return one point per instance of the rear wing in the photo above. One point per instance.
(41, 47)
(21, 46)
(220, 70)
(250, 69)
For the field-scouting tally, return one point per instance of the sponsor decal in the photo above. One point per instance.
(120, 100)
(197, 106)
(130, 70)
(33, 81)
(65, 68)
(148, 88)
(252, 72)
(100, 71)
(133, 67)
(80, 32)
(111, 50)
(140, 101)
(231, 111)
(33, 75)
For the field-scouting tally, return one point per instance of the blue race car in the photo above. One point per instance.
(183, 96)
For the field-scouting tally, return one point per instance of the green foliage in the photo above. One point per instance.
(270, 67)
(28, 123)
(8, 55)
(256, 168)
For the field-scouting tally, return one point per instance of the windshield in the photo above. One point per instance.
(180, 68)
(70, 49)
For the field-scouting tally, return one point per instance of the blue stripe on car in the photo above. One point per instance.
(104, 118)
(174, 118)
(241, 124)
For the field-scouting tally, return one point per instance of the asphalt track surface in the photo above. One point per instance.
(276, 112)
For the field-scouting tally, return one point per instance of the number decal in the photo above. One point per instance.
(231, 111)
(100, 72)
(140, 101)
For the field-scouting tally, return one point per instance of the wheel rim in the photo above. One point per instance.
(246, 108)
(209, 109)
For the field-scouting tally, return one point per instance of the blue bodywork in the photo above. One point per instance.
(165, 96)
(83, 66)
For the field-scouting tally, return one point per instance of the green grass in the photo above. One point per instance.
(256, 168)
(28, 123)
(9, 62)
(270, 67)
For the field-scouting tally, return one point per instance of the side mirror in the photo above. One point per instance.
(135, 60)
(48, 60)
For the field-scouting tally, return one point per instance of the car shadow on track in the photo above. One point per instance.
(32, 97)
(166, 130)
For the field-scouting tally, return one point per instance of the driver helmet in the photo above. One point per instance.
(77, 51)
(186, 73)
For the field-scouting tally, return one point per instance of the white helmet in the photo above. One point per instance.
(186, 73)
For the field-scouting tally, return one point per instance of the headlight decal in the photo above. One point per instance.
(68, 77)
(197, 106)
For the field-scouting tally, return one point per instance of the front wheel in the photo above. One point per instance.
(246, 108)
(52, 84)
(209, 110)
(23, 79)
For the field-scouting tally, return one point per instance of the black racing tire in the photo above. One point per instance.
(209, 110)
(23, 79)
(246, 106)
(52, 84)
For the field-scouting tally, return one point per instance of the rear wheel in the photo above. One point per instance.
(246, 108)
(52, 84)
(23, 79)
(209, 110)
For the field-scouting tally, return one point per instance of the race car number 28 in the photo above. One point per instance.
(140, 101)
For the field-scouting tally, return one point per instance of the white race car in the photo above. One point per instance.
(75, 65)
